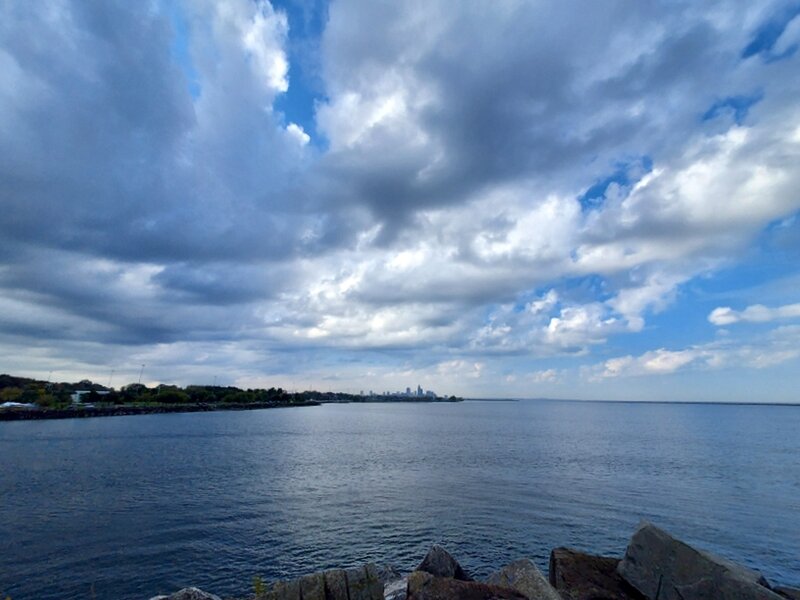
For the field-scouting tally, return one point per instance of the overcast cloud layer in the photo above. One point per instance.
(488, 199)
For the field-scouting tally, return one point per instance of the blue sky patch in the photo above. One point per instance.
(738, 106)
(306, 23)
(180, 47)
(768, 34)
(625, 175)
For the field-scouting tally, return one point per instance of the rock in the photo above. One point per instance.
(363, 583)
(335, 584)
(523, 576)
(579, 576)
(438, 562)
(726, 587)
(387, 573)
(424, 586)
(395, 589)
(417, 580)
(190, 593)
(373, 573)
(285, 590)
(662, 567)
(394, 584)
(787, 592)
(312, 587)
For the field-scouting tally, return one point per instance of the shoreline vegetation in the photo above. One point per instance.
(23, 399)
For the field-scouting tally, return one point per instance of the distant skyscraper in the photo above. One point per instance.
(419, 390)
(408, 391)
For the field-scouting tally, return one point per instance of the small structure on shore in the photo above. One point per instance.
(19, 405)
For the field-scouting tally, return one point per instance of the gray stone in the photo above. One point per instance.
(387, 573)
(523, 576)
(285, 590)
(580, 576)
(312, 587)
(788, 592)
(363, 583)
(336, 584)
(424, 586)
(190, 593)
(662, 567)
(372, 571)
(438, 562)
(725, 586)
(418, 580)
(395, 589)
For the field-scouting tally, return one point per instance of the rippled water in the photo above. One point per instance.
(126, 507)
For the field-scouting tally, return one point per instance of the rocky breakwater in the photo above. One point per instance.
(656, 566)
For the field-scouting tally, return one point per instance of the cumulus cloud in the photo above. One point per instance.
(298, 133)
(777, 347)
(756, 313)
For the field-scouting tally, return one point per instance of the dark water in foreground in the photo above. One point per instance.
(132, 506)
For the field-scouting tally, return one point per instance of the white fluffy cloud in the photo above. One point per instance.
(757, 313)
(772, 349)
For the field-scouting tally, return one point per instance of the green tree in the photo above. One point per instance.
(172, 396)
(10, 394)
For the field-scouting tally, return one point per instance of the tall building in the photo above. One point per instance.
(419, 391)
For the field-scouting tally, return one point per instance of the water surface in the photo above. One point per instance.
(126, 507)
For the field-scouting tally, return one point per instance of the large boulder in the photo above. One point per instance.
(439, 563)
(190, 593)
(387, 573)
(397, 589)
(580, 576)
(523, 576)
(284, 590)
(662, 567)
(787, 592)
(363, 583)
(358, 583)
(335, 584)
(424, 586)
(394, 584)
(312, 587)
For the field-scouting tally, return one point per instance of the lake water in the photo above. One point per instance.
(126, 507)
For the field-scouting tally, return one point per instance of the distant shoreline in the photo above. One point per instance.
(36, 414)
(86, 412)
(25, 399)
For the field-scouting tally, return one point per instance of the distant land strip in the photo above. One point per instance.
(23, 399)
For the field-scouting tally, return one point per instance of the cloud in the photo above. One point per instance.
(779, 346)
(159, 197)
(298, 133)
(756, 313)
(544, 376)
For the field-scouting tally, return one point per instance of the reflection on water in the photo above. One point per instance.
(138, 505)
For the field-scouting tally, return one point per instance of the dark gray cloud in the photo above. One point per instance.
(517, 92)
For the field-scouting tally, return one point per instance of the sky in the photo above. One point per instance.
(487, 199)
